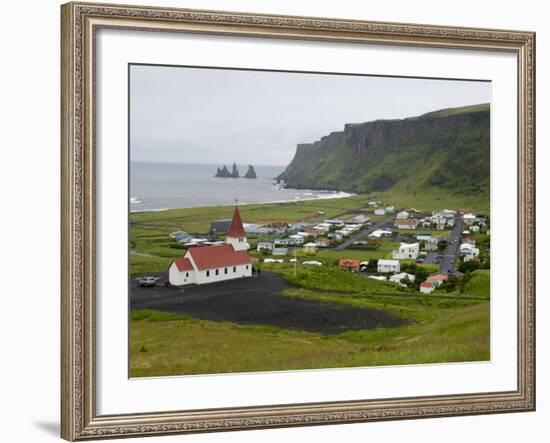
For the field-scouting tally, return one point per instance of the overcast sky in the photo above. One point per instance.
(193, 115)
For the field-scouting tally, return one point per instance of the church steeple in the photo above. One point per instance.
(236, 234)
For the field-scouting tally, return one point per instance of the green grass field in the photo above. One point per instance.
(165, 344)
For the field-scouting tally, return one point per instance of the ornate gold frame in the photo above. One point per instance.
(79, 23)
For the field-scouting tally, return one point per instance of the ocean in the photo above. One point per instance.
(161, 186)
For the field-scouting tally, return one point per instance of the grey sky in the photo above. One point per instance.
(193, 115)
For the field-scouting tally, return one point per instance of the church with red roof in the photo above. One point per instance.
(208, 264)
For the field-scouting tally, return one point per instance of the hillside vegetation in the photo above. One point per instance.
(445, 151)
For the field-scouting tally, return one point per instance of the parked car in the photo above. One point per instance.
(147, 281)
(419, 260)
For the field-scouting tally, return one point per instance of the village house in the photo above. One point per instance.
(407, 250)
(264, 246)
(322, 227)
(380, 233)
(437, 279)
(333, 222)
(469, 218)
(322, 242)
(390, 209)
(313, 232)
(350, 264)
(310, 248)
(403, 215)
(440, 224)
(406, 224)
(423, 236)
(283, 241)
(432, 243)
(380, 211)
(220, 226)
(426, 287)
(296, 239)
(398, 278)
(279, 251)
(359, 219)
(469, 252)
(209, 264)
(389, 266)
(342, 232)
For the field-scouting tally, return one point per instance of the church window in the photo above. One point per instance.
(217, 271)
(208, 273)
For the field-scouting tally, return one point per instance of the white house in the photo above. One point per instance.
(380, 211)
(380, 233)
(397, 278)
(389, 266)
(469, 218)
(407, 250)
(468, 251)
(220, 262)
(264, 246)
(310, 248)
(402, 215)
(390, 209)
(342, 232)
(426, 287)
(406, 223)
(432, 243)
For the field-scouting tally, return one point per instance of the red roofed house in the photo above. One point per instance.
(350, 264)
(437, 279)
(410, 223)
(209, 264)
(426, 287)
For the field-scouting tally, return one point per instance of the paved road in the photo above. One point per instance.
(257, 301)
(450, 257)
(365, 232)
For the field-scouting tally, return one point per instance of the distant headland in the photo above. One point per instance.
(223, 172)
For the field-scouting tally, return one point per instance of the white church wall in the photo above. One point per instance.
(179, 278)
(212, 277)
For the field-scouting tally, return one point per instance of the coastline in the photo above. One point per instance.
(329, 196)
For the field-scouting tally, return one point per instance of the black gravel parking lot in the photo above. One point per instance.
(258, 301)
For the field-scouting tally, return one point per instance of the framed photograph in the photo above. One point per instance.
(277, 221)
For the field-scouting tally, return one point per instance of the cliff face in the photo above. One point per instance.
(446, 149)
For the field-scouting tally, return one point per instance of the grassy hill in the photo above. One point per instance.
(442, 152)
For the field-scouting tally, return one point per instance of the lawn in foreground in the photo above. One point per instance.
(164, 344)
